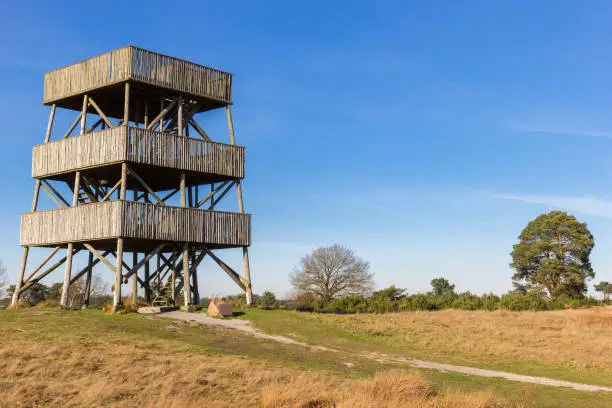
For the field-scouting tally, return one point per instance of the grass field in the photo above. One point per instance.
(86, 358)
(572, 345)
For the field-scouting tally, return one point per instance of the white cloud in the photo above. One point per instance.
(561, 130)
(582, 204)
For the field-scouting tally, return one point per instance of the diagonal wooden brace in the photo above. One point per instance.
(240, 281)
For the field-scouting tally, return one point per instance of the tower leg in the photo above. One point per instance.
(158, 275)
(67, 274)
(247, 273)
(147, 278)
(245, 251)
(173, 286)
(186, 280)
(194, 278)
(117, 292)
(75, 201)
(87, 293)
(24, 261)
(134, 279)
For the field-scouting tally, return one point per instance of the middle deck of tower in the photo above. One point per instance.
(157, 157)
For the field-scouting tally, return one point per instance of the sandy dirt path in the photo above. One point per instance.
(245, 326)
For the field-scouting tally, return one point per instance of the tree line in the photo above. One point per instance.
(551, 263)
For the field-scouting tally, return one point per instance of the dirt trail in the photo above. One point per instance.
(245, 326)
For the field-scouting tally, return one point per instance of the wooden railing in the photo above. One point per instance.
(184, 153)
(135, 220)
(165, 223)
(80, 223)
(137, 145)
(133, 63)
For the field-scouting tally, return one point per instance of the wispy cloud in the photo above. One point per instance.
(583, 204)
(561, 130)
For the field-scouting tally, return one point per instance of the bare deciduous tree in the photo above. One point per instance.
(333, 271)
(77, 290)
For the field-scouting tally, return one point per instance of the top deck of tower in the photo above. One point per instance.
(152, 76)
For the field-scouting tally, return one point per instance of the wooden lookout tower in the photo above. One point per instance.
(142, 179)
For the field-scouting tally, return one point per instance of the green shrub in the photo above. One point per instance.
(516, 301)
(423, 302)
(444, 300)
(467, 301)
(587, 301)
(490, 301)
(346, 304)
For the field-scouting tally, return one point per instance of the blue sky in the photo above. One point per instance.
(424, 135)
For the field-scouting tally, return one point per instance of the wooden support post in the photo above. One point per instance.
(50, 124)
(126, 105)
(158, 275)
(26, 250)
(134, 264)
(122, 192)
(117, 286)
(145, 185)
(186, 280)
(180, 116)
(41, 264)
(245, 249)
(68, 270)
(84, 115)
(134, 279)
(173, 286)
(87, 293)
(146, 114)
(22, 267)
(194, 278)
(147, 279)
(71, 128)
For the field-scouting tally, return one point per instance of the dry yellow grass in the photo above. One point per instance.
(581, 338)
(96, 374)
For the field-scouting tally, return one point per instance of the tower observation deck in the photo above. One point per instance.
(143, 177)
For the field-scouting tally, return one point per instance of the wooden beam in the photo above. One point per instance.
(100, 257)
(144, 261)
(50, 124)
(76, 188)
(240, 281)
(95, 125)
(217, 199)
(126, 105)
(47, 271)
(49, 189)
(123, 189)
(245, 250)
(74, 124)
(117, 293)
(212, 193)
(112, 190)
(85, 269)
(84, 114)
(162, 114)
(102, 115)
(41, 264)
(18, 284)
(180, 118)
(198, 129)
(89, 269)
(145, 185)
(170, 194)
